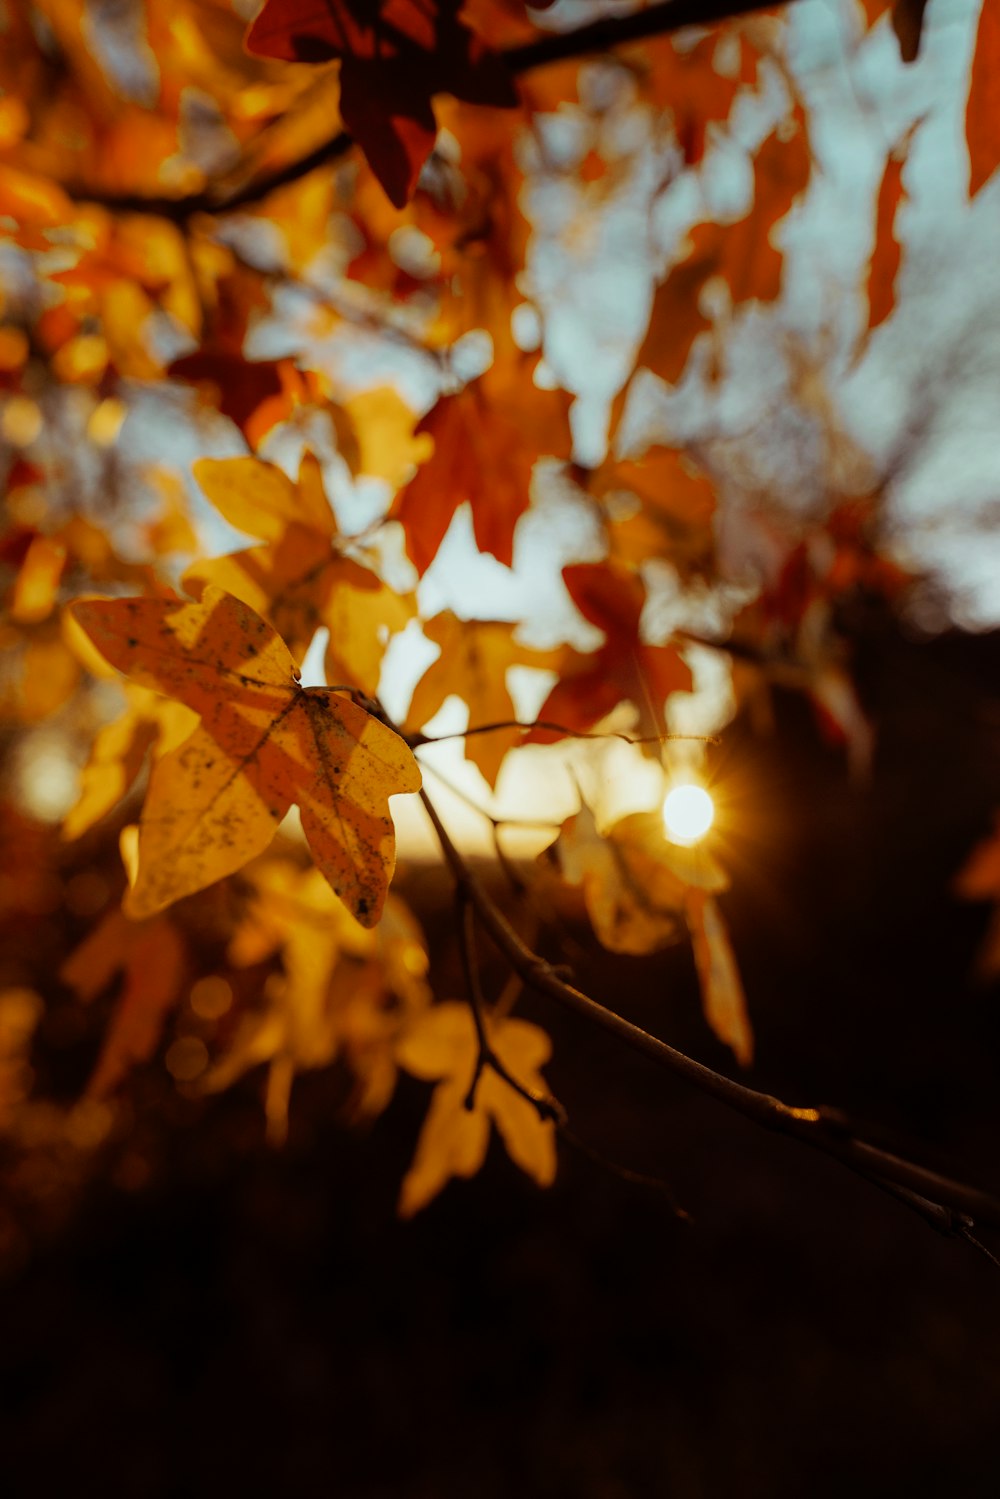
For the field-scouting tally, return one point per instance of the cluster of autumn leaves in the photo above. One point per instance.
(139, 259)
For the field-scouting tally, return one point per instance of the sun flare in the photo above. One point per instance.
(688, 813)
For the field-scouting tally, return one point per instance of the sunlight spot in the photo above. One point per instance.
(688, 813)
(46, 777)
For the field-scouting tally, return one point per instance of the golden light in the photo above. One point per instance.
(688, 813)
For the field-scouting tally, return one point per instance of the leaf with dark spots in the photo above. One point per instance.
(263, 743)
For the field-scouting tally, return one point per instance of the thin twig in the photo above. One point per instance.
(625, 1173)
(823, 1130)
(547, 1106)
(416, 741)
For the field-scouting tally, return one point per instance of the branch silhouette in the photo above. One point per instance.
(951, 1206)
(599, 36)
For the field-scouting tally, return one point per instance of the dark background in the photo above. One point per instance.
(251, 1321)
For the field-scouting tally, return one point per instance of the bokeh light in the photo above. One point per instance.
(688, 813)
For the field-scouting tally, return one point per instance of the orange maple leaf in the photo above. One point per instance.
(441, 1046)
(641, 891)
(475, 655)
(742, 253)
(263, 743)
(671, 511)
(982, 110)
(152, 957)
(486, 441)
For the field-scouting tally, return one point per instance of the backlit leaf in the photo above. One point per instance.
(393, 58)
(301, 578)
(263, 743)
(152, 957)
(624, 669)
(475, 655)
(982, 110)
(487, 439)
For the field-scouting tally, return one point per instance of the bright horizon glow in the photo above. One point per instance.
(688, 813)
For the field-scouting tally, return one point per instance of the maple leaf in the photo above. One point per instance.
(883, 267)
(982, 110)
(742, 253)
(301, 578)
(345, 991)
(671, 515)
(152, 956)
(475, 655)
(394, 55)
(441, 1046)
(486, 441)
(642, 892)
(263, 743)
(691, 83)
(625, 668)
(119, 751)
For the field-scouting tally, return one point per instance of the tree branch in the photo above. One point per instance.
(828, 1131)
(599, 36)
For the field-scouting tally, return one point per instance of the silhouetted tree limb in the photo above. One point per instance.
(952, 1207)
(599, 36)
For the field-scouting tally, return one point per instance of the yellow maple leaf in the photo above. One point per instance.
(641, 893)
(264, 742)
(300, 578)
(475, 655)
(119, 750)
(344, 991)
(442, 1047)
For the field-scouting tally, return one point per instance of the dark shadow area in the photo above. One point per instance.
(253, 1321)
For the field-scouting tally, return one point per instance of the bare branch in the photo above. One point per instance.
(828, 1131)
(416, 741)
(600, 36)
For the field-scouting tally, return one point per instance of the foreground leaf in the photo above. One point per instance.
(264, 743)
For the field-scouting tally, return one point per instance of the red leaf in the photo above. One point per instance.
(982, 113)
(395, 55)
(883, 267)
(623, 669)
(239, 385)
